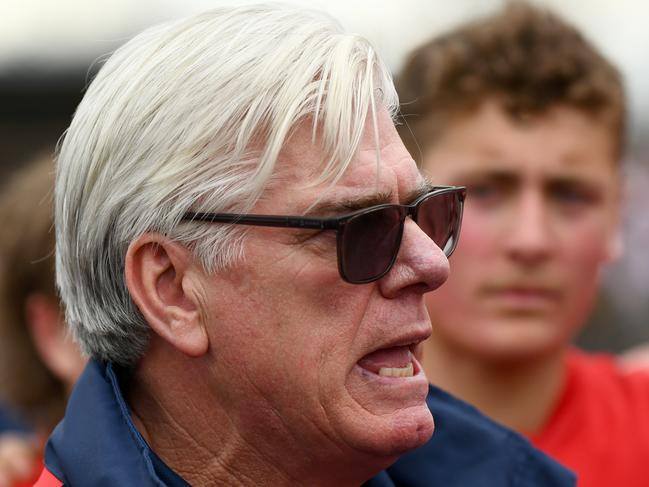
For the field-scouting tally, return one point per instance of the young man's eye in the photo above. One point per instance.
(574, 196)
(485, 193)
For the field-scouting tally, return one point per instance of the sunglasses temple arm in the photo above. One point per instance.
(263, 220)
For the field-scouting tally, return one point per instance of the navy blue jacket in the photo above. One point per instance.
(98, 445)
(468, 449)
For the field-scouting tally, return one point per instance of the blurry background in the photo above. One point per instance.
(50, 50)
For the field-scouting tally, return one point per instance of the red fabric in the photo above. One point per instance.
(47, 479)
(600, 426)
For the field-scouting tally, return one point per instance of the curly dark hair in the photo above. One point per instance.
(526, 57)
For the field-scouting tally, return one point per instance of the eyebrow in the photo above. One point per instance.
(348, 205)
(511, 178)
(501, 176)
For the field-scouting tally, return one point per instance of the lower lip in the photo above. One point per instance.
(388, 395)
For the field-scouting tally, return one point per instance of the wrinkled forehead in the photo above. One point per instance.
(381, 166)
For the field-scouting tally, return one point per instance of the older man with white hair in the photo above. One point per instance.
(243, 245)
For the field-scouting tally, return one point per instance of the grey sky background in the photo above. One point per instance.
(72, 32)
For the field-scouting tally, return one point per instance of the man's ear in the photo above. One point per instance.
(160, 276)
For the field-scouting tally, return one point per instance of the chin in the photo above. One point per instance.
(393, 435)
(522, 343)
(412, 434)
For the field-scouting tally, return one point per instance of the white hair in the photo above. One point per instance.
(192, 115)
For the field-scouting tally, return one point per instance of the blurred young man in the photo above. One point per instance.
(530, 117)
(39, 362)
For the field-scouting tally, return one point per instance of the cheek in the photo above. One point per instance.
(478, 238)
(583, 251)
(471, 263)
(583, 248)
(455, 301)
(293, 326)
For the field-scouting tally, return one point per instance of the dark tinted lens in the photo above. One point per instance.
(439, 216)
(370, 243)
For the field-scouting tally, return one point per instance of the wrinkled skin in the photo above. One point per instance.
(277, 395)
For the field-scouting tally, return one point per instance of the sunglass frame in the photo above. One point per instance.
(336, 223)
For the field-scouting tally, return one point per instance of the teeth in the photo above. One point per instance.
(406, 371)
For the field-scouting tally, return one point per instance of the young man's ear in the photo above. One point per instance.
(615, 247)
(615, 244)
(159, 279)
(51, 339)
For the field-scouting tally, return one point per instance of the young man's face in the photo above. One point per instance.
(540, 220)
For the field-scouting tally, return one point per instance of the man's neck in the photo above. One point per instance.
(183, 424)
(197, 442)
(519, 394)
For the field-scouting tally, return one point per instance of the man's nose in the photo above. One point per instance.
(528, 236)
(421, 265)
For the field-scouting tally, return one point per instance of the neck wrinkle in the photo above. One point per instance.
(205, 452)
(199, 441)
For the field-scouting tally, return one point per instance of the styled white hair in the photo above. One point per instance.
(192, 115)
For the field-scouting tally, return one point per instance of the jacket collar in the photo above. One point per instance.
(97, 443)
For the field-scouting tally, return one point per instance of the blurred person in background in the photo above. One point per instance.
(526, 113)
(39, 362)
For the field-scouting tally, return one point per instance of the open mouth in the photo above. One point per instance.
(390, 362)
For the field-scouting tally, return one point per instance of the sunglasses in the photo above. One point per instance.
(368, 240)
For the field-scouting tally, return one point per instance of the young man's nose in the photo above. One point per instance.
(421, 265)
(529, 232)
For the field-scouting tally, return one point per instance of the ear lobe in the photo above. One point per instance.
(615, 246)
(159, 279)
(615, 243)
